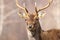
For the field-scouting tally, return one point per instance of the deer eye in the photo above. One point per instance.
(36, 18)
(25, 19)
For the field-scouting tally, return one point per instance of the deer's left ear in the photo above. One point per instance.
(41, 14)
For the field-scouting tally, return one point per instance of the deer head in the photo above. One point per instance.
(32, 19)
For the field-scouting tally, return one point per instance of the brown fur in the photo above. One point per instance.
(52, 34)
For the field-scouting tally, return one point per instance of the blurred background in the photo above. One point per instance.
(13, 27)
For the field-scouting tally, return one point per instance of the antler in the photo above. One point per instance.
(24, 8)
(49, 2)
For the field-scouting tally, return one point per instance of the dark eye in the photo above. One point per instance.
(36, 18)
(25, 19)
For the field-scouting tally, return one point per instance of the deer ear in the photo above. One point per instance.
(21, 14)
(41, 14)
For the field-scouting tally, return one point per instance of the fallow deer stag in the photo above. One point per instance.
(33, 26)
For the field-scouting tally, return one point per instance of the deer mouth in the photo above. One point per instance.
(32, 29)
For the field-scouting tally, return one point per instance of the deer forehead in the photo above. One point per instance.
(30, 19)
(31, 16)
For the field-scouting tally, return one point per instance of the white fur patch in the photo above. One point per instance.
(30, 35)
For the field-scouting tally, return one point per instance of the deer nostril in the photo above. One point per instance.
(30, 26)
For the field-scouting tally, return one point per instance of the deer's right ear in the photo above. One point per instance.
(23, 15)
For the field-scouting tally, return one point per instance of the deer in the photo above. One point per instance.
(33, 28)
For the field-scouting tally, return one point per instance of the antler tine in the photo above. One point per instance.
(36, 9)
(50, 1)
(26, 11)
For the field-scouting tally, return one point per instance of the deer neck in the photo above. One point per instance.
(35, 35)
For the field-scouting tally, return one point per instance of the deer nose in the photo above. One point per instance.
(30, 26)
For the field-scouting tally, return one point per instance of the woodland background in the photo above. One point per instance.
(13, 27)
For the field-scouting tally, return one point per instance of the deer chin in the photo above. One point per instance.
(32, 31)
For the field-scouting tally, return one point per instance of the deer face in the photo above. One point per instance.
(31, 21)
